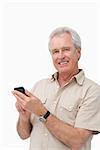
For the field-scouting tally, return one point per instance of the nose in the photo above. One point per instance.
(61, 54)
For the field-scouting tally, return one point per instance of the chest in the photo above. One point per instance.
(62, 102)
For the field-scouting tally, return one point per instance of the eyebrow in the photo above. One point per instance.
(67, 47)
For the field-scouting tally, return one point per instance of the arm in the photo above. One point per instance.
(24, 126)
(70, 136)
(25, 106)
(88, 117)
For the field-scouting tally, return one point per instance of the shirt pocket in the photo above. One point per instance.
(68, 112)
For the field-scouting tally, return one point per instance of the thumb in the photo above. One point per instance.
(28, 93)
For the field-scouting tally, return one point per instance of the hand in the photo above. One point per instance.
(24, 115)
(30, 103)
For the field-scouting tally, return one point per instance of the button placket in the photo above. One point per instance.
(45, 134)
(45, 140)
(56, 99)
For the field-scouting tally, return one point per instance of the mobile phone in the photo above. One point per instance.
(20, 89)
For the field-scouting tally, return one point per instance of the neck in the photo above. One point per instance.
(64, 78)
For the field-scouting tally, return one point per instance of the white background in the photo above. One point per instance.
(24, 55)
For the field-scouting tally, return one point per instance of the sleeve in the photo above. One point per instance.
(38, 90)
(33, 91)
(88, 116)
(34, 88)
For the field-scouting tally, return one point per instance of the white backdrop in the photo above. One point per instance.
(24, 55)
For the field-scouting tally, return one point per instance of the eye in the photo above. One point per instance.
(55, 51)
(66, 49)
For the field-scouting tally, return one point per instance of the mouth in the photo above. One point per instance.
(63, 62)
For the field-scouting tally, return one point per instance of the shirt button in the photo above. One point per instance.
(70, 108)
(57, 86)
(46, 134)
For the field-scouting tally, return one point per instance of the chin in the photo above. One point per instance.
(63, 71)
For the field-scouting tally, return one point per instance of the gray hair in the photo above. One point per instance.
(75, 37)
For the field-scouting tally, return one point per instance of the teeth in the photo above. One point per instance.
(62, 63)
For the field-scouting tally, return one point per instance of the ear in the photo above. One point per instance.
(78, 53)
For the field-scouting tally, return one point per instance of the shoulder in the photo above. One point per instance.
(91, 91)
(41, 84)
(43, 81)
(91, 84)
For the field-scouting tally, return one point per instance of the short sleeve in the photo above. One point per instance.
(33, 91)
(88, 116)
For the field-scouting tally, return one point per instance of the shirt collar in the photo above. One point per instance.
(54, 76)
(79, 77)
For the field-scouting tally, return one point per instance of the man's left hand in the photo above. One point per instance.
(30, 102)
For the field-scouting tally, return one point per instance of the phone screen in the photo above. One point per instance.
(20, 89)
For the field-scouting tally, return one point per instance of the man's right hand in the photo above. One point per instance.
(24, 115)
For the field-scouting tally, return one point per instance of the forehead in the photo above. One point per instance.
(61, 40)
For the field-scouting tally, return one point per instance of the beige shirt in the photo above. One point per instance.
(77, 103)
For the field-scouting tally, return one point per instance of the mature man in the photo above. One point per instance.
(61, 112)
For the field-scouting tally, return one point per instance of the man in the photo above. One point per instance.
(62, 112)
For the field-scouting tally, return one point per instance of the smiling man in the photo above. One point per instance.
(61, 112)
(65, 55)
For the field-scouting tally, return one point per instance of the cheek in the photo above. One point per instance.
(54, 59)
(73, 61)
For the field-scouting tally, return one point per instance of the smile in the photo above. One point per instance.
(63, 62)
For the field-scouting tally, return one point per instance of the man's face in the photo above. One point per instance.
(64, 55)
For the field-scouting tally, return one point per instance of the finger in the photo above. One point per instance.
(20, 100)
(19, 108)
(31, 95)
(19, 94)
(22, 110)
(28, 93)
